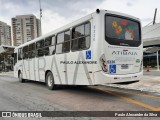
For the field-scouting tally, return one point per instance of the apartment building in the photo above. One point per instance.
(25, 28)
(5, 34)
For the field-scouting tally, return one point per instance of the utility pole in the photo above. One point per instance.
(157, 61)
(154, 20)
(40, 10)
(4, 64)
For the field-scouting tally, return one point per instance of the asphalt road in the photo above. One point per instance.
(34, 96)
(152, 73)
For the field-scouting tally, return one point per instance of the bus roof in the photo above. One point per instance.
(75, 23)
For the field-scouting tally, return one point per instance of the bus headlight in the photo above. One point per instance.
(103, 63)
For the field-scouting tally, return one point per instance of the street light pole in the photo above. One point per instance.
(157, 61)
(4, 64)
(40, 10)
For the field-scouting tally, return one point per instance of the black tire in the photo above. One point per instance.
(82, 86)
(21, 78)
(50, 81)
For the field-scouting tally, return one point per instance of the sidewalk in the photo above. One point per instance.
(11, 74)
(151, 73)
(150, 82)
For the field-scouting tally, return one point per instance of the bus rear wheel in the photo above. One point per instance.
(50, 81)
(20, 77)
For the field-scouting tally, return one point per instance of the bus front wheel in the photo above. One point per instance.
(50, 81)
(20, 77)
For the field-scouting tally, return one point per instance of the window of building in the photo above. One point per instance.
(81, 37)
(63, 42)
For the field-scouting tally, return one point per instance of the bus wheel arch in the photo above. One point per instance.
(20, 76)
(49, 79)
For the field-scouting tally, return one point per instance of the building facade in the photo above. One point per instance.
(25, 28)
(5, 34)
(151, 40)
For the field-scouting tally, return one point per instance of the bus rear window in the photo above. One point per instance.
(123, 30)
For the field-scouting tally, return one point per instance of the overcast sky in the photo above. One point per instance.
(57, 13)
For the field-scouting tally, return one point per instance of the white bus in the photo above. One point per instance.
(100, 48)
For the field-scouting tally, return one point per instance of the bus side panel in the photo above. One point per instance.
(80, 73)
(98, 49)
(60, 69)
(52, 66)
(18, 67)
(72, 73)
(40, 69)
(25, 71)
(32, 73)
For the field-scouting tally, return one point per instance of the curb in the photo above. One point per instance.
(7, 75)
(144, 91)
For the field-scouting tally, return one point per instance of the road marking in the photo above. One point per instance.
(131, 100)
(112, 89)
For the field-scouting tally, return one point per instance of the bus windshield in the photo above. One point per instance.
(120, 31)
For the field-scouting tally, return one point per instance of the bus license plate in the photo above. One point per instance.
(124, 66)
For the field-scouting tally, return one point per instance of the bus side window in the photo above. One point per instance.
(20, 54)
(31, 53)
(33, 50)
(40, 48)
(49, 46)
(81, 37)
(66, 44)
(63, 42)
(15, 58)
(87, 29)
(25, 52)
(53, 40)
(52, 48)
